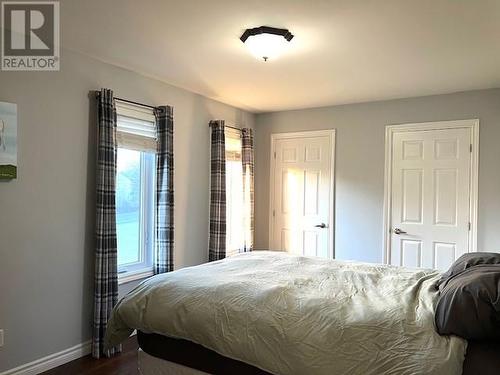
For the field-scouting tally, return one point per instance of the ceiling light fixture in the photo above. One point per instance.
(266, 42)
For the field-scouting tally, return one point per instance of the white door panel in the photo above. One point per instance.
(302, 198)
(430, 197)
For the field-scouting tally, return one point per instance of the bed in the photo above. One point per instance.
(274, 313)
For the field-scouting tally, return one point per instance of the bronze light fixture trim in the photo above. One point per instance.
(262, 46)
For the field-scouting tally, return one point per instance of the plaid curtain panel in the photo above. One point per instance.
(106, 275)
(247, 159)
(217, 231)
(164, 242)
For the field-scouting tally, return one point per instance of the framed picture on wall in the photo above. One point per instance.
(8, 140)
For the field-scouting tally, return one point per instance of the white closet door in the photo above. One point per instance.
(302, 201)
(430, 197)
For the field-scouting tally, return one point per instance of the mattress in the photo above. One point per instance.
(483, 358)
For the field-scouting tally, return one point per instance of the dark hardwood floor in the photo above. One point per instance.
(121, 364)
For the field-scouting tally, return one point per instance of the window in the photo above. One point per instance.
(235, 235)
(135, 193)
(238, 196)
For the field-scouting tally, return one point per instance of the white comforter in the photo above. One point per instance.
(296, 315)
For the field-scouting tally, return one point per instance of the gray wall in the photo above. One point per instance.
(360, 163)
(47, 214)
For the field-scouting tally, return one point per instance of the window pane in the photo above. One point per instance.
(234, 195)
(128, 206)
(148, 186)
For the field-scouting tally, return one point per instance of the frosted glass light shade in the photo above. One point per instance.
(266, 46)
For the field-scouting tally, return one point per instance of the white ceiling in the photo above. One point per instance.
(344, 51)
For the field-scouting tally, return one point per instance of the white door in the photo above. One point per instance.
(303, 199)
(430, 197)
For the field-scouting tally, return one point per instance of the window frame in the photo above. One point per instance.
(145, 266)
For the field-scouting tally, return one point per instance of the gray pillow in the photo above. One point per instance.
(469, 303)
(466, 261)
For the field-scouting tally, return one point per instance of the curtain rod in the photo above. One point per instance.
(228, 126)
(136, 103)
(129, 101)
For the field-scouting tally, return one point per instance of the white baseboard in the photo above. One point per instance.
(51, 361)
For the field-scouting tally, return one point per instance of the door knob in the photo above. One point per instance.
(322, 226)
(399, 231)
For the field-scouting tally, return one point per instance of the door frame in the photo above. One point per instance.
(305, 134)
(390, 130)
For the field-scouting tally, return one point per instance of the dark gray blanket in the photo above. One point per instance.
(469, 301)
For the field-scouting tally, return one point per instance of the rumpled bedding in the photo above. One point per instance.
(298, 315)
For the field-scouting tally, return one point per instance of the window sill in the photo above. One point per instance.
(127, 277)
